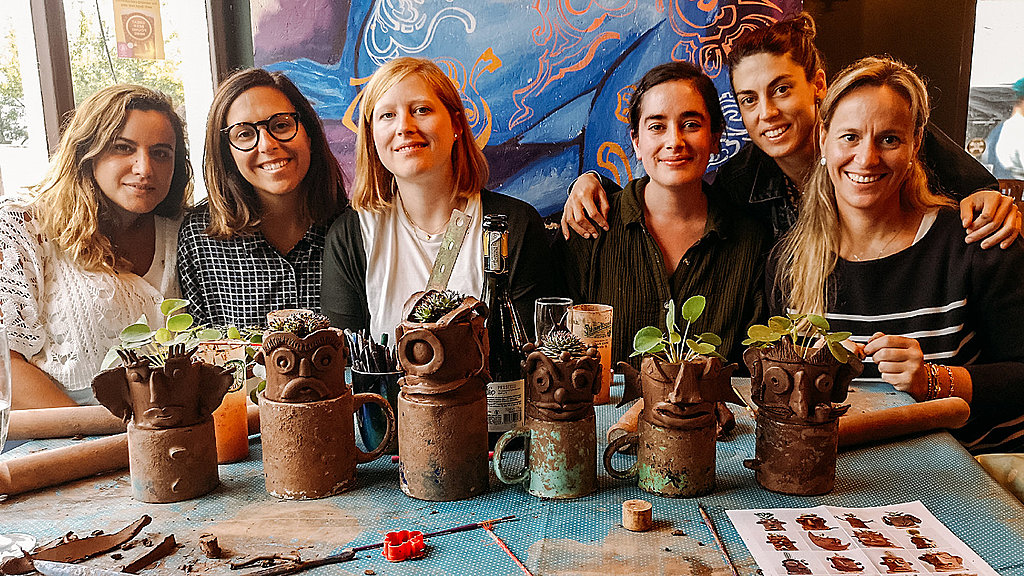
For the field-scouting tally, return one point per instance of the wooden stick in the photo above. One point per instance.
(63, 423)
(490, 531)
(61, 465)
(891, 423)
(718, 540)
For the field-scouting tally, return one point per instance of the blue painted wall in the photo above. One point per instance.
(545, 82)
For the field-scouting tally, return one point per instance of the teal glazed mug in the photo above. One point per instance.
(561, 457)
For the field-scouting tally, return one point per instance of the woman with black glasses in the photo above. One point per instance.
(274, 188)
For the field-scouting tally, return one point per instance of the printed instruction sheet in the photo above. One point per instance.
(894, 539)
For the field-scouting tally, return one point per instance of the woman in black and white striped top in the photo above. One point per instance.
(883, 257)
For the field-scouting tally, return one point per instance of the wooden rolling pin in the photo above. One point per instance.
(627, 422)
(891, 423)
(857, 429)
(61, 465)
(63, 423)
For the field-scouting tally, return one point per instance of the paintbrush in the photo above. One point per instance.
(718, 540)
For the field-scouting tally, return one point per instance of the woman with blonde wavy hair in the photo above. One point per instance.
(878, 253)
(93, 246)
(416, 161)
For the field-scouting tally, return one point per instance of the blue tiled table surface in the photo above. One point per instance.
(582, 536)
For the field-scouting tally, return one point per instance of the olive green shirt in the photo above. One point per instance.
(624, 267)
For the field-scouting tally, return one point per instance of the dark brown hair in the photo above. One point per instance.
(793, 37)
(234, 205)
(671, 71)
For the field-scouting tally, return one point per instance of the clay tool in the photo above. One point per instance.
(61, 465)
(451, 245)
(63, 423)
(350, 553)
(626, 423)
(880, 425)
(718, 540)
(490, 532)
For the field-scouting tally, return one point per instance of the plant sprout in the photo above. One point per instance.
(802, 330)
(676, 347)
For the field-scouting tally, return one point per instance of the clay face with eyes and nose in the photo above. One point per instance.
(306, 369)
(680, 396)
(563, 388)
(792, 388)
(178, 394)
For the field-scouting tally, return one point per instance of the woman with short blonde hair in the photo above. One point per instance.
(416, 162)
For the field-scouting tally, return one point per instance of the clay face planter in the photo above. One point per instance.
(442, 408)
(675, 437)
(306, 423)
(560, 427)
(797, 423)
(172, 449)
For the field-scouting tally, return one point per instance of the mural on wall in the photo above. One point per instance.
(546, 83)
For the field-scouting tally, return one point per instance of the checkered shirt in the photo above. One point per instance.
(237, 281)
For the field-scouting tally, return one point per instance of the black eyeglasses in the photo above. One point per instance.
(244, 136)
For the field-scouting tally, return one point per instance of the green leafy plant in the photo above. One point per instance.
(804, 331)
(178, 328)
(675, 347)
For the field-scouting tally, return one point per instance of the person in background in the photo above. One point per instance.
(274, 188)
(416, 161)
(92, 248)
(669, 238)
(1010, 145)
(877, 251)
(778, 78)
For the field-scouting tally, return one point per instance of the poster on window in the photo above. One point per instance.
(137, 28)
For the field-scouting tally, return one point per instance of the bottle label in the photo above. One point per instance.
(495, 251)
(505, 405)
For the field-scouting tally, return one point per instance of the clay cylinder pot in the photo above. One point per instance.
(442, 444)
(561, 457)
(795, 458)
(674, 462)
(172, 464)
(309, 448)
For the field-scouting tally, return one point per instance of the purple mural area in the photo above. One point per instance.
(546, 83)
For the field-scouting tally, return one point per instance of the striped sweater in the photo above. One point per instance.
(964, 305)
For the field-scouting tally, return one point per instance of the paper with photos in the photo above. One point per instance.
(829, 540)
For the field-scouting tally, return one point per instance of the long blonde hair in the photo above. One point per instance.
(68, 203)
(375, 185)
(809, 252)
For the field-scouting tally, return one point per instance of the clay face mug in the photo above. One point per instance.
(561, 457)
(306, 369)
(560, 388)
(674, 462)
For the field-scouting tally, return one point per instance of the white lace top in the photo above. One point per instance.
(64, 319)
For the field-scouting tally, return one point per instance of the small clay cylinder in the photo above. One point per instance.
(172, 464)
(442, 444)
(637, 515)
(561, 458)
(308, 447)
(793, 458)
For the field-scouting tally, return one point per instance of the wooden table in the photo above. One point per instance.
(574, 537)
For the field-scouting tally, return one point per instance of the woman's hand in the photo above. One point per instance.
(586, 199)
(901, 362)
(990, 217)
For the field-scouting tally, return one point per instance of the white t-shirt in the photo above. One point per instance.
(399, 258)
(64, 319)
(1010, 146)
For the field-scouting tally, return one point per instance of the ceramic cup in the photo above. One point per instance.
(561, 457)
(669, 461)
(370, 418)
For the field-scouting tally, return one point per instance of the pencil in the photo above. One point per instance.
(718, 541)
